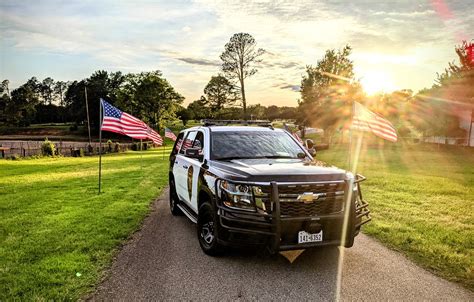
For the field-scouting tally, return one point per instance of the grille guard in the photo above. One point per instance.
(362, 207)
(270, 224)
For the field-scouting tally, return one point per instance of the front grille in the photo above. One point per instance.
(331, 199)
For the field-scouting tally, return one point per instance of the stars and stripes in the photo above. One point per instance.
(470, 52)
(154, 136)
(115, 120)
(170, 134)
(366, 120)
(187, 144)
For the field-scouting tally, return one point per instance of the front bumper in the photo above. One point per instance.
(280, 232)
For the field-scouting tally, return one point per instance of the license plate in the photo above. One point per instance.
(305, 237)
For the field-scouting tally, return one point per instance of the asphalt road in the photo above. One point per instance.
(163, 261)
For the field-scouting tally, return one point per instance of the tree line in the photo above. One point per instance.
(327, 92)
(147, 95)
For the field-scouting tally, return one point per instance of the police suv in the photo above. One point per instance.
(259, 186)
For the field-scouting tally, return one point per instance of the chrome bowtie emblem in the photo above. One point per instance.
(308, 197)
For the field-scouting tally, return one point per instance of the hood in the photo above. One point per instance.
(280, 170)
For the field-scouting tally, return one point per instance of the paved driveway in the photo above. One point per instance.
(164, 262)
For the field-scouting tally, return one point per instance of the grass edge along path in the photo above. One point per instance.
(57, 235)
(422, 203)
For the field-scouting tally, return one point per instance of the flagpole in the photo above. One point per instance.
(100, 142)
(164, 145)
(88, 120)
(141, 154)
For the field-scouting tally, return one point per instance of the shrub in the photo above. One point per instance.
(109, 146)
(48, 148)
(77, 152)
(14, 156)
(136, 146)
(73, 127)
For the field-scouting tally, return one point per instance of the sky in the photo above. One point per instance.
(396, 44)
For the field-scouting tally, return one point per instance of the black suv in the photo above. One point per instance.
(246, 185)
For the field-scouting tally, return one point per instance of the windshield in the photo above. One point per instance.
(253, 144)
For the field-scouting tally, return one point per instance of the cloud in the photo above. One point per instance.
(295, 88)
(184, 39)
(203, 62)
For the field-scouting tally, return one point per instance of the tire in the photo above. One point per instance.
(207, 230)
(174, 200)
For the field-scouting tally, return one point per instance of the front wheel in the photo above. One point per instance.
(207, 230)
(174, 200)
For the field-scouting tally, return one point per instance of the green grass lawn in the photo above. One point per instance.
(422, 203)
(56, 233)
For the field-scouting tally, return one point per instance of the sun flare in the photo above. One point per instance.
(377, 81)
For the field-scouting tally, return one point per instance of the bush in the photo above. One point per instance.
(109, 146)
(48, 148)
(77, 152)
(14, 156)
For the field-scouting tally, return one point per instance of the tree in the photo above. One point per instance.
(457, 80)
(220, 92)
(46, 89)
(239, 59)
(4, 87)
(100, 84)
(200, 109)
(184, 115)
(20, 108)
(156, 100)
(4, 100)
(256, 111)
(60, 89)
(328, 91)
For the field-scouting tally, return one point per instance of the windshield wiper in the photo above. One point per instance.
(255, 157)
(278, 156)
(233, 157)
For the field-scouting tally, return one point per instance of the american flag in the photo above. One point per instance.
(115, 120)
(470, 52)
(366, 120)
(187, 144)
(170, 134)
(154, 136)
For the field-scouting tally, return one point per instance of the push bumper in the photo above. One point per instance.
(279, 232)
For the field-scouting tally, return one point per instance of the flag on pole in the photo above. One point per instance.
(154, 136)
(115, 120)
(366, 120)
(470, 52)
(170, 134)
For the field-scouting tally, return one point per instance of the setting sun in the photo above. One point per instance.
(377, 81)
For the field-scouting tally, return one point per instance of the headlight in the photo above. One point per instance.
(237, 195)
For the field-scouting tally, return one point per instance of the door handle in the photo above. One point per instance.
(176, 162)
(185, 167)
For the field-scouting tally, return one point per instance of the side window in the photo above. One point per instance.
(188, 141)
(199, 142)
(178, 143)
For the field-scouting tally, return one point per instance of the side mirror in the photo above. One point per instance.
(193, 153)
